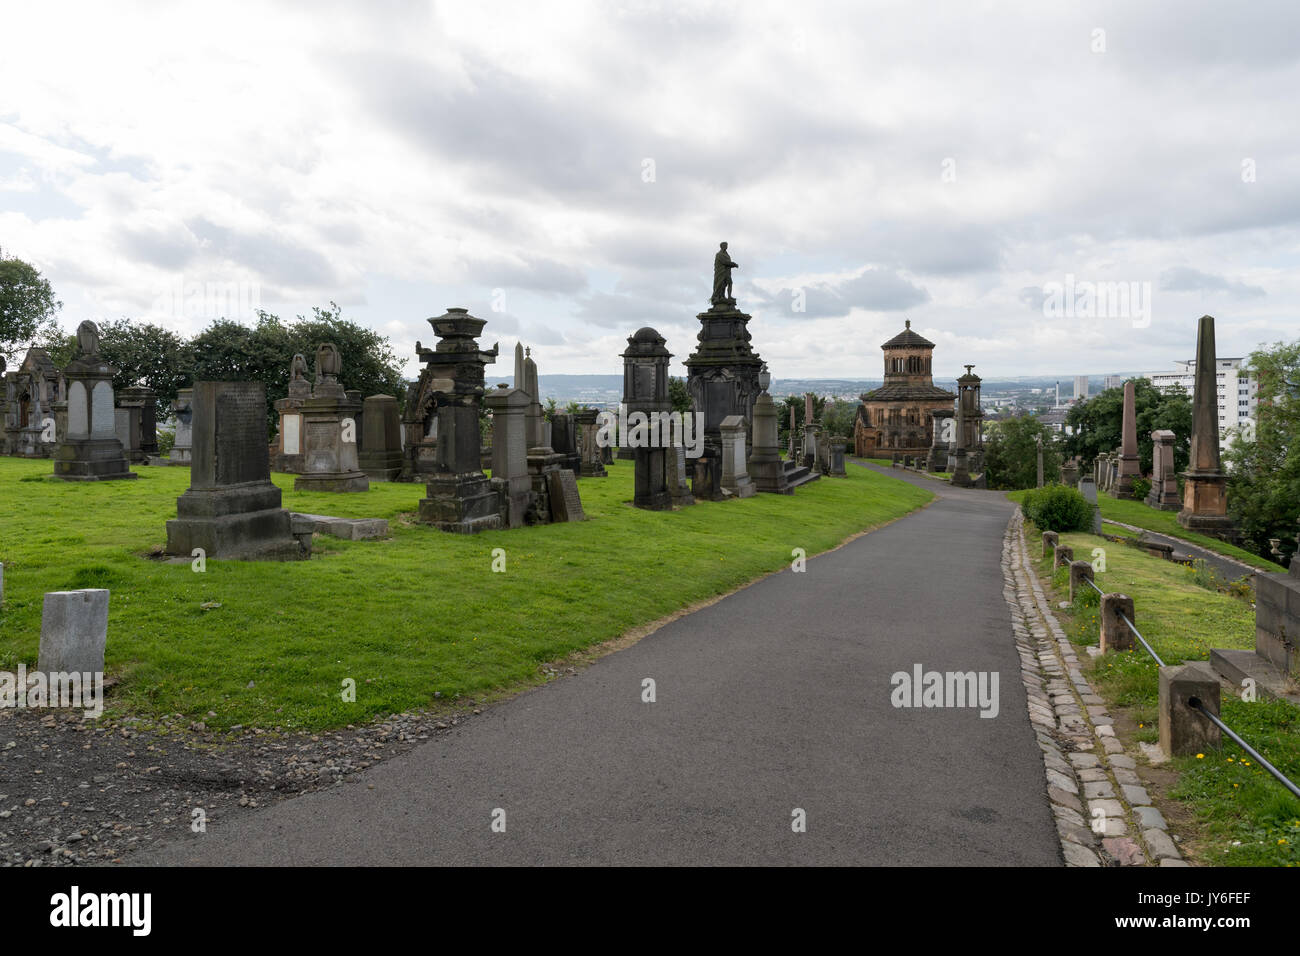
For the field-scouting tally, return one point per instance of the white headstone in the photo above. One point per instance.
(102, 419)
(291, 425)
(78, 411)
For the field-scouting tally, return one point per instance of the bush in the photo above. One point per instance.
(1058, 508)
(1141, 488)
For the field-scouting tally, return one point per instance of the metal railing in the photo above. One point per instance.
(1195, 704)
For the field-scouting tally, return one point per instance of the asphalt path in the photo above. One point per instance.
(775, 699)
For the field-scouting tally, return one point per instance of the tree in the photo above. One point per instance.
(797, 403)
(837, 417)
(27, 306)
(148, 355)
(1264, 463)
(227, 351)
(1098, 423)
(1011, 453)
(679, 395)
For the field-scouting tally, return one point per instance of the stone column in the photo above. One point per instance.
(1164, 483)
(381, 439)
(1128, 455)
(1205, 503)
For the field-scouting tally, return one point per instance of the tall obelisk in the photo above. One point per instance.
(1205, 500)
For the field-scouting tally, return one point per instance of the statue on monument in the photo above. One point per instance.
(722, 266)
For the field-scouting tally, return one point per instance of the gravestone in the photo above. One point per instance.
(90, 451)
(837, 445)
(960, 471)
(677, 486)
(735, 478)
(1164, 483)
(460, 497)
(1088, 488)
(231, 509)
(765, 466)
(137, 427)
(183, 411)
(510, 477)
(566, 505)
(592, 461)
(645, 394)
(74, 631)
(330, 431)
(937, 459)
(543, 459)
(381, 439)
(564, 439)
(1205, 486)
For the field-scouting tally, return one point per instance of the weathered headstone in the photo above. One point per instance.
(381, 439)
(509, 407)
(960, 470)
(1088, 488)
(183, 411)
(231, 509)
(1164, 482)
(74, 631)
(677, 484)
(136, 419)
(937, 459)
(765, 466)
(566, 505)
(592, 463)
(564, 439)
(90, 451)
(735, 477)
(837, 445)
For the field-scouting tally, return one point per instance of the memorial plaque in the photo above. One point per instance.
(291, 425)
(102, 419)
(240, 435)
(78, 411)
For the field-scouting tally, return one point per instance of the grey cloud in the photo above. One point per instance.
(276, 259)
(875, 289)
(1186, 279)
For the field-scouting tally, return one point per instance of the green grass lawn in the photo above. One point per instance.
(1142, 515)
(419, 613)
(1247, 817)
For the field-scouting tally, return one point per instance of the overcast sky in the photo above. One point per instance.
(566, 172)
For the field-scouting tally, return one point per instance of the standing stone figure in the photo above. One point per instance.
(722, 266)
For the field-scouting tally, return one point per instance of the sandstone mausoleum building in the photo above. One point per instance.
(894, 420)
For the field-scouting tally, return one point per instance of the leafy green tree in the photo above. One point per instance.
(147, 355)
(1011, 453)
(838, 417)
(28, 308)
(1098, 423)
(679, 395)
(797, 403)
(227, 351)
(1264, 463)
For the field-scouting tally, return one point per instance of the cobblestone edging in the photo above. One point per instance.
(1086, 766)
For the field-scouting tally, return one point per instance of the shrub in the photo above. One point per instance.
(1058, 508)
(1141, 488)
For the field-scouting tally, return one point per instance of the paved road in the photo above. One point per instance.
(775, 698)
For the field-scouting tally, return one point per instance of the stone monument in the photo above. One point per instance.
(1164, 483)
(231, 509)
(1128, 455)
(329, 419)
(183, 412)
(1205, 500)
(765, 466)
(90, 451)
(287, 450)
(592, 463)
(460, 497)
(645, 393)
(735, 477)
(510, 477)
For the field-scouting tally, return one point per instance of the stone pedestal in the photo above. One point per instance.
(1164, 483)
(937, 459)
(836, 445)
(74, 631)
(765, 466)
(735, 477)
(1185, 731)
(1205, 500)
(231, 509)
(460, 498)
(381, 439)
(91, 450)
(1088, 488)
(961, 471)
(645, 392)
(592, 462)
(723, 375)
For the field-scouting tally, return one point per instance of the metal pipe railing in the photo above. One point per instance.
(1195, 704)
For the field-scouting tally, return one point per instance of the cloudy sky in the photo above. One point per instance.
(566, 172)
